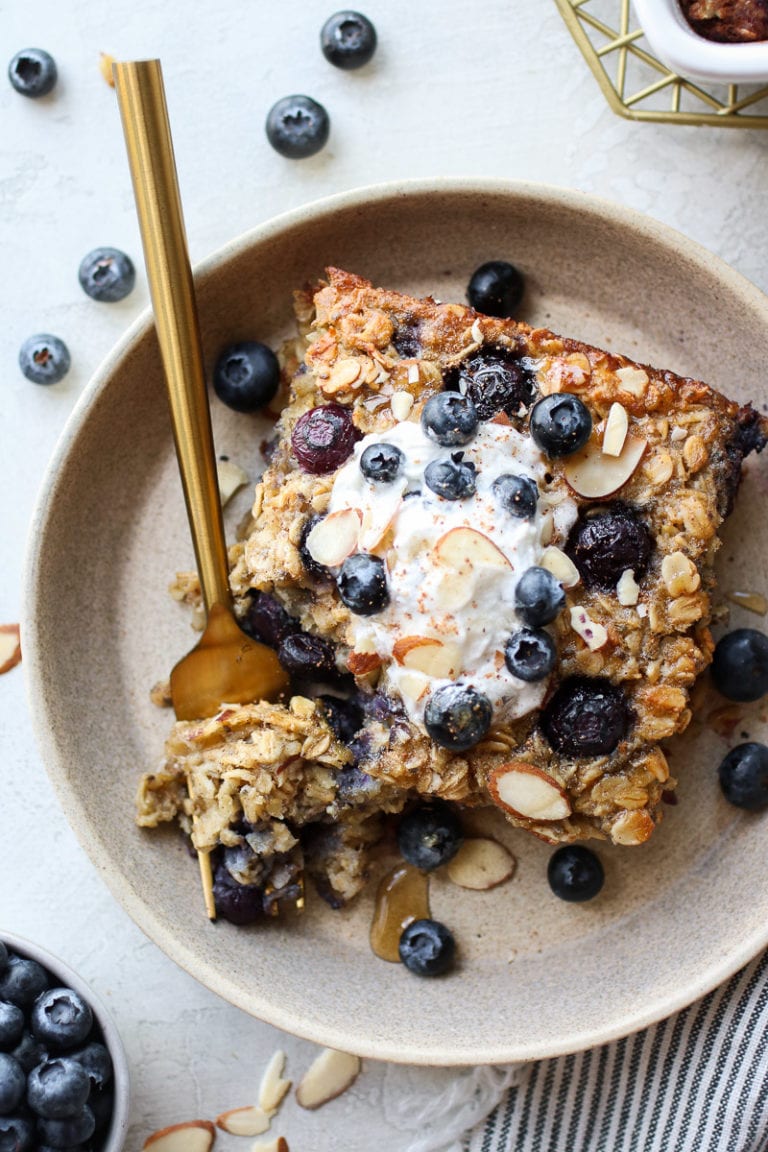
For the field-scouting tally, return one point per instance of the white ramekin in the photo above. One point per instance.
(684, 51)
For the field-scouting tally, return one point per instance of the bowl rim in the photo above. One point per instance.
(687, 52)
(118, 1128)
(498, 1052)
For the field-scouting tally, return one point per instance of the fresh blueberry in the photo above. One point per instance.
(61, 1018)
(496, 288)
(348, 40)
(740, 665)
(58, 1089)
(3, 956)
(73, 1130)
(382, 463)
(44, 359)
(518, 495)
(586, 717)
(560, 424)
(29, 1052)
(33, 72)
(102, 1104)
(344, 716)
(238, 903)
(457, 717)
(430, 835)
(453, 479)
(494, 380)
(12, 1082)
(530, 654)
(107, 275)
(427, 948)
(449, 419)
(362, 584)
(16, 1134)
(11, 1025)
(575, 873)
(297, 127)
(323, 438)
(539, 597)
(604, 544)
(743, 776)
(246, 376)
(267, 621)
(309, 656)
(22, 981)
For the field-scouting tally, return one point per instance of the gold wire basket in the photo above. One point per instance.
(639, 87)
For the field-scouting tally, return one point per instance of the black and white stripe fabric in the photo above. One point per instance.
(696, 1082)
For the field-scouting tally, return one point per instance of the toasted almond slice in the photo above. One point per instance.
(192, 1136)
(379, 516)
(466, 547)
(105, 67)
(334, 537)
(330, 1074)
(361, 663)
(278, 1144)
(592, 633)
(401, 404)
(525, 790)
(273, 1087)
(412, 686)
(627, 589)
(593, 474)
(231, 477)
(616, 428)
(425, 654)
(248, 1121)
(481, 863)
(633, 380)
(561, 566)
(10, 647)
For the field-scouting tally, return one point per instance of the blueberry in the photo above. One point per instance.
(71, 1131)
(12, 1081)
(406, 339)
(44, 359)
(58, 1089)
(539, 597)
(449, 419)
(494, 380)
(3, 956)
(430, 835)
(29, 1052)
(348, 40)
(457, 717)
(496, 288)
(297, 127)
(313, 657)
(344, 717)
(586, 717)
(323, 438)
(518, 495)
(560, 424)
(246, 376)
(427, 948)
(22, 981)
(311, 566)
(382, 463)
(606, 543)
(743, 776)
(61, 1018)
(238, 903)
(362, 584)
(107, 275)
(530, 654)
(267, 621)
(740, 665)
(33, 72)
(11, 1025)
(575, 874)
(16, 1134)
(453, 479)
(102, 1104)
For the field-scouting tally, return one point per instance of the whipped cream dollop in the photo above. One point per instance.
(452, 565)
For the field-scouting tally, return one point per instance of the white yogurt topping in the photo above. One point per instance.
(451, 605)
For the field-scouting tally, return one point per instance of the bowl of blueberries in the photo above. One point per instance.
(63, 1070)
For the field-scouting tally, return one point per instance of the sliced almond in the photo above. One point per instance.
(593, 474)
(401, 404)
(249, 1121)
(561, 566)
(592, 633)
(379, 516)
(480, 864)
(279, 1144)
(105, 67)
(427, 655)
(334, 537)
(633, 380)
(412, 686)
(627, 589)
(463, 548)
(330, 1074)
(231, 477)
(361, 663)
(525, 790)
(192, 1136)
(616, 428)
(273, 1087)
(10, 647)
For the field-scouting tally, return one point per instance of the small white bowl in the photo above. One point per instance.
(690, 54)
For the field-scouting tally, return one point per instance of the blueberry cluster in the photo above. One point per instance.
(55, 1071)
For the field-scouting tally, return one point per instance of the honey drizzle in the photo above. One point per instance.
(401, 898)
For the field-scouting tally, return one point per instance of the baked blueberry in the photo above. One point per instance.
(560, 424)
(246, 376)
(605, 543)
(449, 419)
(430, 835)
(311, 657)
(587, 716)
(362, 584)
(66, 1134)
(323, 438)
(107, 275)
(16, 1134)
(457, 716)
(495, 381)
(453, 479)
(61, 1018)
(382, 463)
(344, 716)
(44, 359)
(238, 903)
(33, 72)
(58, 1089)
(11, 1025)
(740, 665)
(539, 597)
(348, 40)
(297, 127)
(743, 776)
(530, 654)
(267, 621)
(518, 495)
(427, 948)
(496, 288)
(12, 1082)
(22, 981)
(311, 566)
(575, 873)
(406, 339)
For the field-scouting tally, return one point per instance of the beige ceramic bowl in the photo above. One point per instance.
(537, 976)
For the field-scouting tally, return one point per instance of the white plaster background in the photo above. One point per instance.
(492, 89)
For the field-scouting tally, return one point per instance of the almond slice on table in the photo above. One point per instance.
(191, 1136)
(10, 647)
(525, 790)
(334, 537)
(616, 429)
(248, 1121)
(273, 1087)
(231, 477)
(593, 474)
(330, 1074)
(279, 1144)
(481, 863)
(431, 656)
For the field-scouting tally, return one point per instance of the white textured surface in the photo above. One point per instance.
(453, 90)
